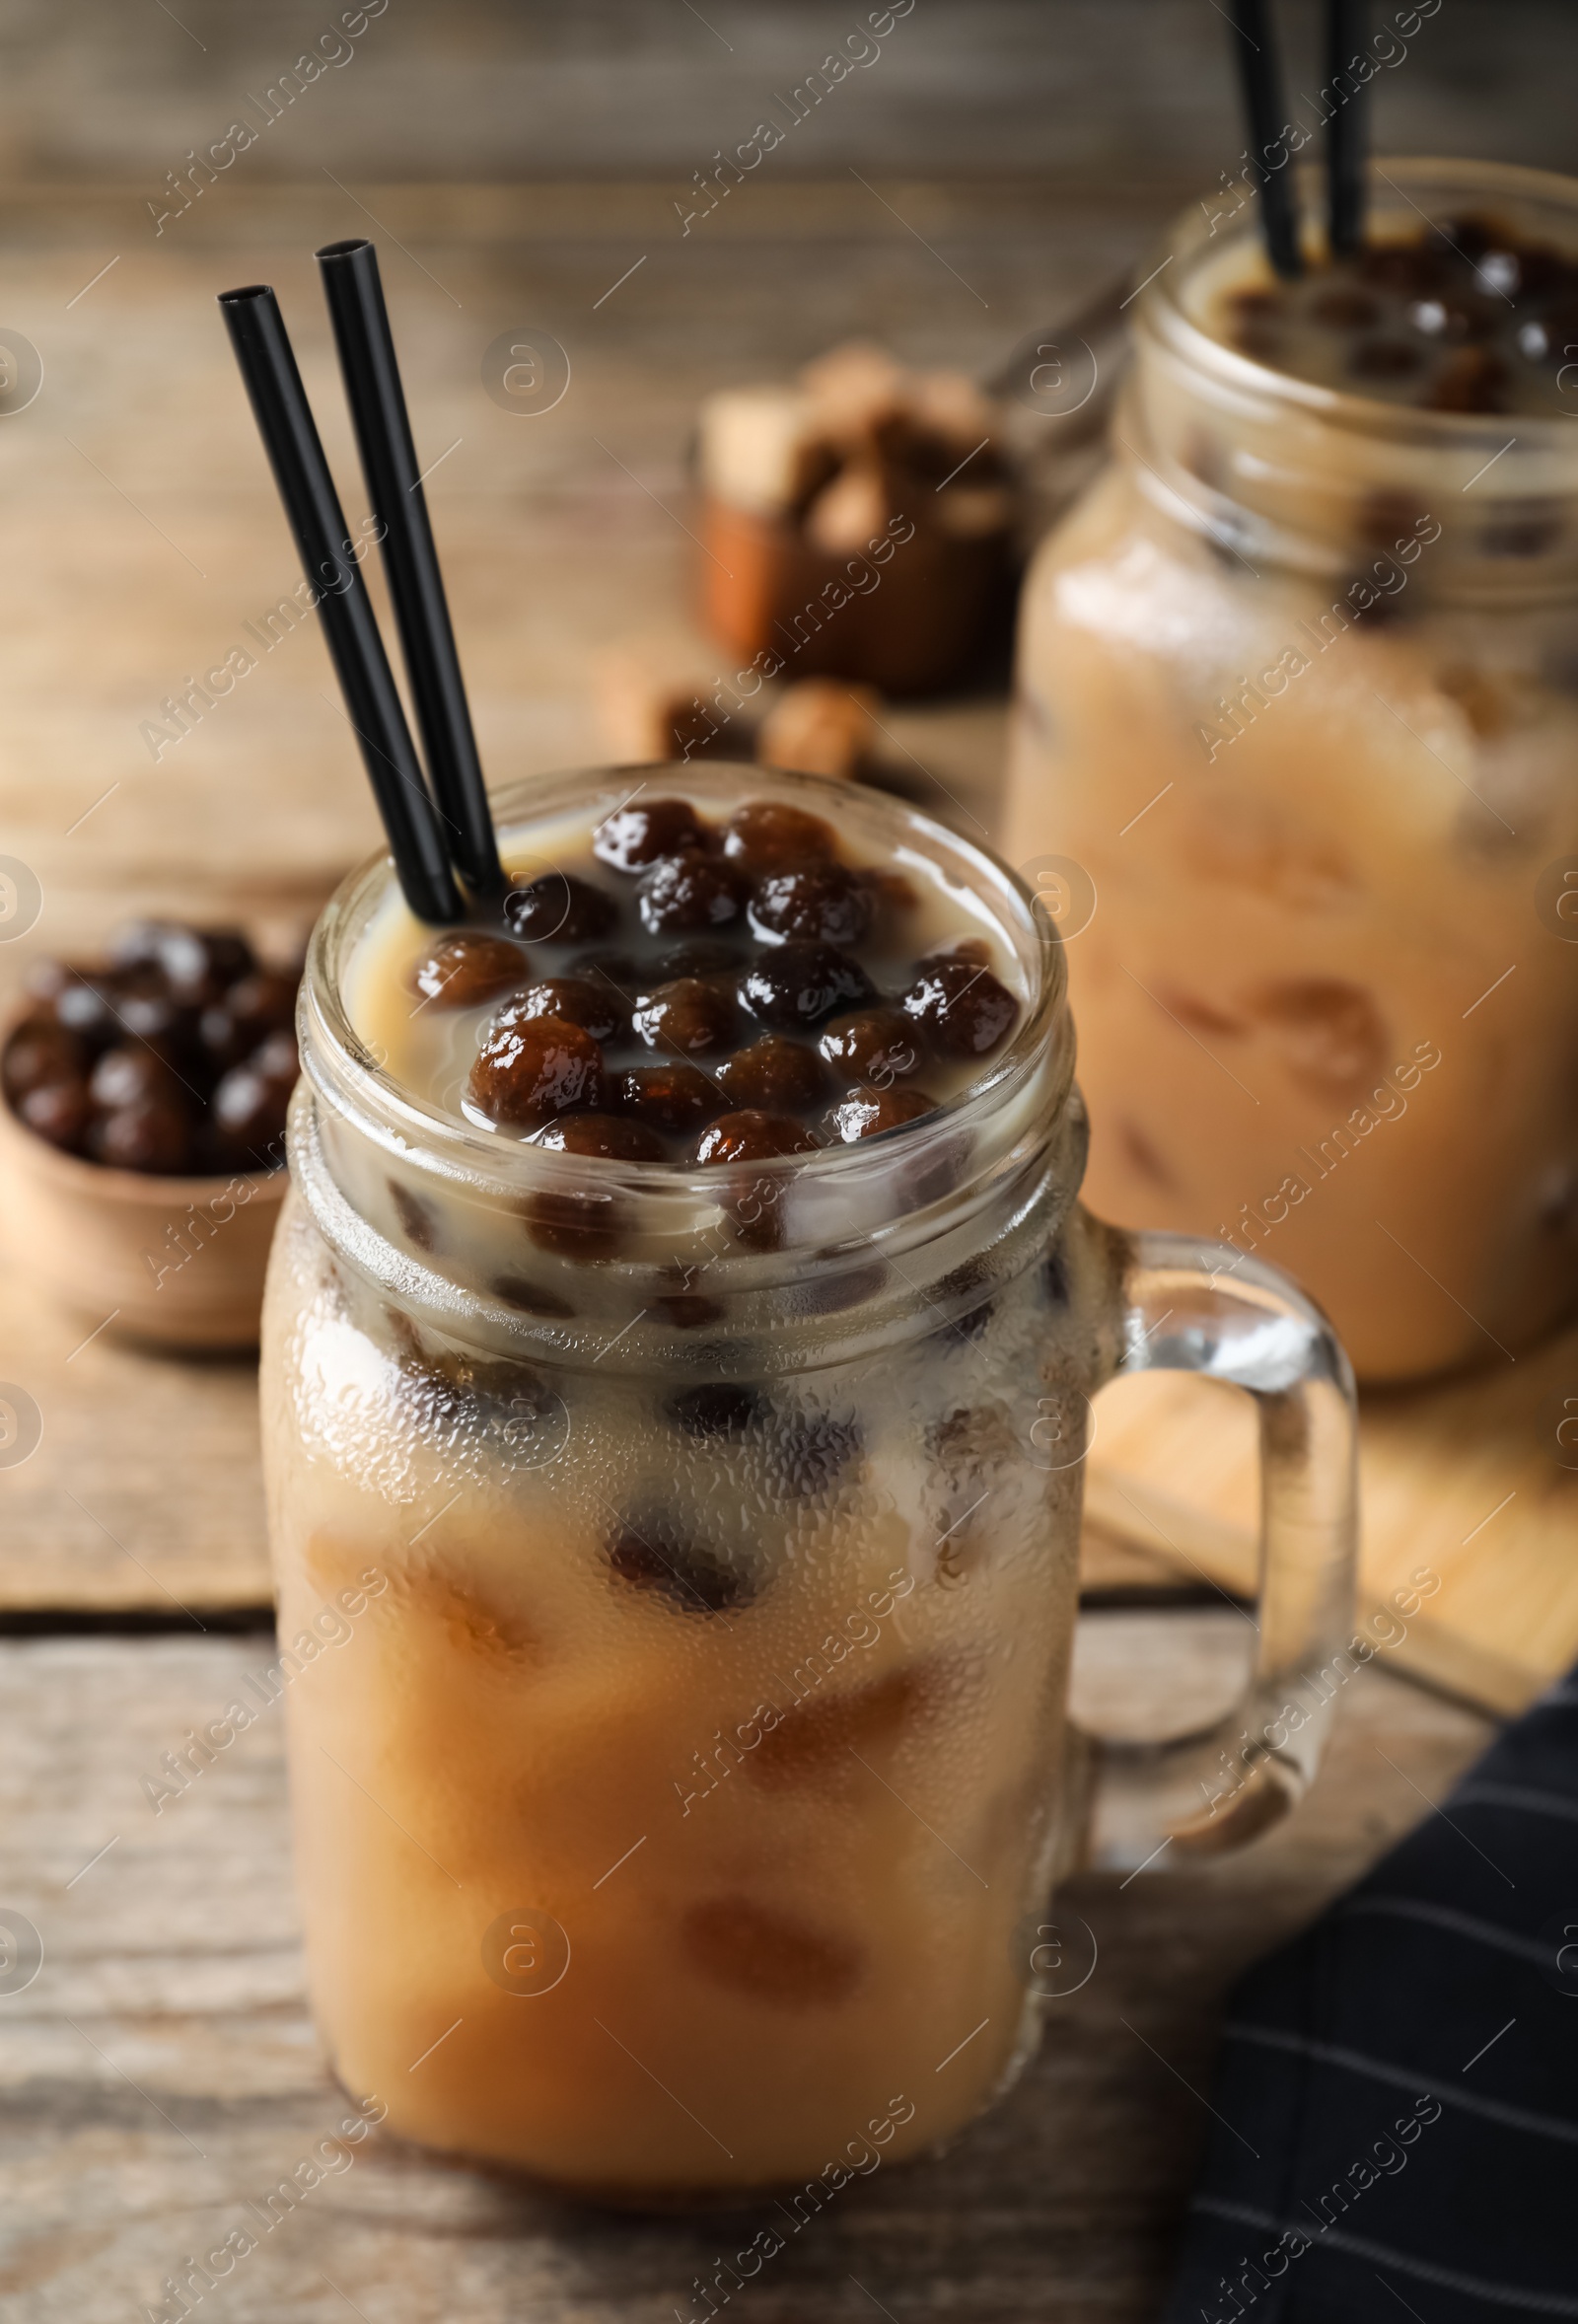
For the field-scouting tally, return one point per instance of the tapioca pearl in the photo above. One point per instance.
(463, 968)
(418, 1219)
(39, 1053)
(253, 1008)
(872, 1112)
(587, 1001)
(620, 971)
(44, 983)
(247, 1116)
(635, 835)
(716, 1410)
(689, 891)
(144, 1011)
(125, 1077)
(673, 1098)
(762, 834)
(588, 1229)
(59, 1112)
(609, 1137)
(771, 1956)
(874, 1046)
(530, 1299)
(591, 1224)
(751, 1135)
(818, 903)
(1055, 1280)
(816, 1742)
(527, 1073)
(689, 1015)
(1454, 315)
(650, 1550)
(1472, 380)
(703, 956)
(152, 1135)
(753, 1198)
(86, 1007)
(966, 1010)
(277, 1059)
(197, 964)
(558, 908)
(1404, 266)
(794, 988)
(778, 1076)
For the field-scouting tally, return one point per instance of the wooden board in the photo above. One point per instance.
(1462, 1480)
(162, 2070)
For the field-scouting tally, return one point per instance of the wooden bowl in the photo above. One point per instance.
(176, 1261)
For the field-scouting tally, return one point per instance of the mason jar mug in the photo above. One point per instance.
(1296, 764)
(675, 1815)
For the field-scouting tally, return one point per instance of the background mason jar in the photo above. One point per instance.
(1298, 692)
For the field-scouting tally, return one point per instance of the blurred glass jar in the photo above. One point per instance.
(1296, 772)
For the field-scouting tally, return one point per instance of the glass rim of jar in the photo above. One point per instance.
(1163, 317)
(342, 1069)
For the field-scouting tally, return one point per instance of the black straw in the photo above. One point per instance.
(1260, 76)
(1346, 29)
(289, 437)
(377, 400)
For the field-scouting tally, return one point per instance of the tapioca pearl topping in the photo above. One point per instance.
(609, 1136)
(689, 1015)
(820, 903)
(635, 835)
(703, 956)
(675, 1098)
(796, 985)
(528, 1072)
(751, 1135)
(874, 1046)
(652, 1550)
(587, 1001)
(688, 892)
(762, 835)
(558, 908)
(775, 1074)
(966, 1010)
(870, 1113)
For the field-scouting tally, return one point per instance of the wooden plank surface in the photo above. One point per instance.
(1470, 1481)
(160, 2069)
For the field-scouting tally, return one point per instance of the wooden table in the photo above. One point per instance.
(160, 2069)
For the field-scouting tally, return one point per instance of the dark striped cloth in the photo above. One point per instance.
(1396, 2095)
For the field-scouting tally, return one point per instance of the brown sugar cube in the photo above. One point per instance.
(821, 726)
(650, 709)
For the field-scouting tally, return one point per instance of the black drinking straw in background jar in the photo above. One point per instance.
(1346, 22)
(377, 400)
(1261, 78)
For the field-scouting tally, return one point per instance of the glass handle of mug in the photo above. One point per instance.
(1189, 1306)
